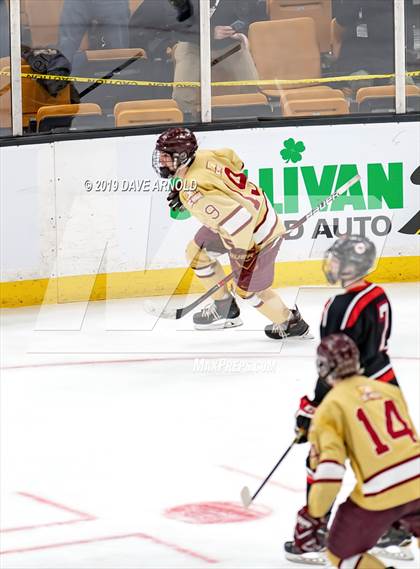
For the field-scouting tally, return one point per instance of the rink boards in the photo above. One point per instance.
(88, 219)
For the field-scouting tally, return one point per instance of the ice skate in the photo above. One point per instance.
(218, 315)
(394, 544)
(295, 327)
(295, 554)
(309, 540)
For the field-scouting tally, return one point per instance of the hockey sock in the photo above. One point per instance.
(211, 275)
(269, 303)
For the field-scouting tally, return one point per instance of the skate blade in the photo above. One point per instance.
(307, 558)
(220, 325)
(306, 336)
(400, 553)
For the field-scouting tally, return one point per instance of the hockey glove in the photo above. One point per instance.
(303, 418)
(310, 533)
(174, 201)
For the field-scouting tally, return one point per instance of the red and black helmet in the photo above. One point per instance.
(337, 357)
(180, 143)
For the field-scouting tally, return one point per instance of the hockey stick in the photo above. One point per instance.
(225, 55)
(246, 497)
(176, 313)
(111, 74)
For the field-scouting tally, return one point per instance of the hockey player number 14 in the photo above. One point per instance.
(391, 415)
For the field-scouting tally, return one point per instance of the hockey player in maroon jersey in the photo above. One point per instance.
(363, 312)
(237, 219)
(367, 423)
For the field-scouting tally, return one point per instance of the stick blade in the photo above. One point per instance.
(167, 313)
(246, 497)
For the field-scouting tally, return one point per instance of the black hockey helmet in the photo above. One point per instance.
(180, 143)
(337, 357)
(350, 258)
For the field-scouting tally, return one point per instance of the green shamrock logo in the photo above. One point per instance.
(292, 150)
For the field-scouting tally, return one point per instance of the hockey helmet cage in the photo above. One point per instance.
(350, 258)
(180, 143)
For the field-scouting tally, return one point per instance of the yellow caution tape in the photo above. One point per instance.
(268, 82)
(99, 81)
(255, 82)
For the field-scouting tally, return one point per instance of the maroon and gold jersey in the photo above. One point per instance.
(221, 197)
(367, 422)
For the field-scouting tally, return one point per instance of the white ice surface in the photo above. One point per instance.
(131, 422)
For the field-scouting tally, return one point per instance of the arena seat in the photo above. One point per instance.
(43, 17)
(34, 95)
(143, 105)
(316, 107)
(99, 63)
(240, 106)
(319, 92)
(121, 54)
(62, 116)
(381, 99)
(158, 111)
(318, 10)
(285, 50)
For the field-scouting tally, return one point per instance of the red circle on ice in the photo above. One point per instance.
(216, 513)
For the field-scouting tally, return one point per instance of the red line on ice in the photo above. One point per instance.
(147, 537)
(46, 525)
(174, 359)
(55, 505)
(82, 516)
